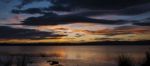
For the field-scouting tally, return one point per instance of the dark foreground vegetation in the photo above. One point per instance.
(126, 61)
(25, 59)
(7, 59)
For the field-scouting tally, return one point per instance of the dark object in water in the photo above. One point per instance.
(53, 62)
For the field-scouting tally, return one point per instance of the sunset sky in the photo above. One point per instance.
(74, 21)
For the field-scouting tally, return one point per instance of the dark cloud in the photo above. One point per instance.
(28, 11)
(95, 12)
(94, 7)
(99, 4)
(58, 8)
(7, 32)
(53, 19)
(25, 2)
(90, 4)
(134, 10)
(142, 23)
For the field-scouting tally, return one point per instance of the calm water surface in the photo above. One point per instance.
(80, 55)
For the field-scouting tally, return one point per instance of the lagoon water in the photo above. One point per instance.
(78, 55)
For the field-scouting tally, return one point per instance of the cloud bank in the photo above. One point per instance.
(88, 8)
(14, 33)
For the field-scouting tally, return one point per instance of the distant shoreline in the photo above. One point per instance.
(106, 43)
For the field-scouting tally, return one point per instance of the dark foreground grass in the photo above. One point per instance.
(25, 59)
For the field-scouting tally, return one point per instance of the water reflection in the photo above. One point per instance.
(77, 55)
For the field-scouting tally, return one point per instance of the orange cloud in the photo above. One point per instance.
(117, 31)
